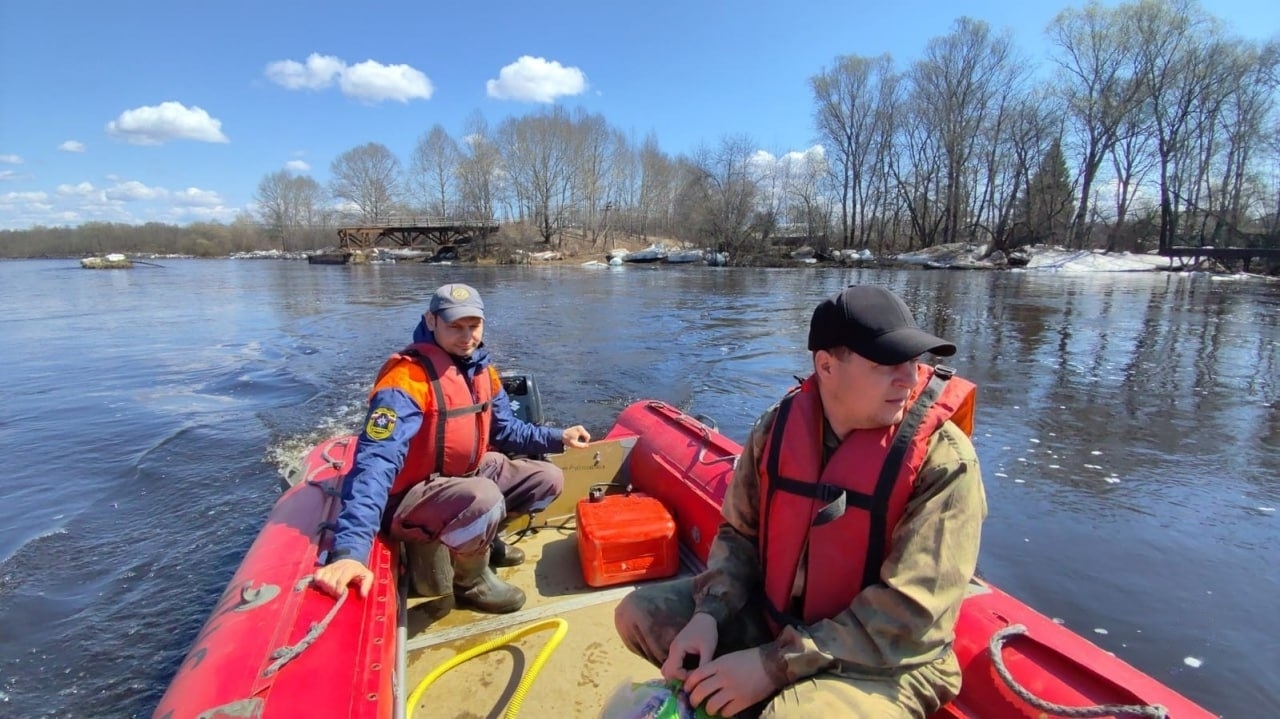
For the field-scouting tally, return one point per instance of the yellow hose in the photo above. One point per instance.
(517, 699)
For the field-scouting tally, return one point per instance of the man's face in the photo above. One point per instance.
(459, 338)
(867, 395)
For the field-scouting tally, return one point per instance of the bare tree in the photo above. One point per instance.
(956, 84)
(850, 99)
(480, 175)
(1244, 118)
(433, 171)
(594, 150)
(367, 176)
(805, 197)
(1179, 53)
(657, 190)
(1133, 157)
(627, 177)
(917, 168)
(1033, 129)
(718, 197)
(1096, 80)
(538, 153)
(287, 205)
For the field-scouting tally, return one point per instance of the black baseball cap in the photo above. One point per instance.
(875, 323)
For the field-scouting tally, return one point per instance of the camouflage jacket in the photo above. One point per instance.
(907, 619)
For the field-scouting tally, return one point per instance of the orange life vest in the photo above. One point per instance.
(456, 416)
(841, 515)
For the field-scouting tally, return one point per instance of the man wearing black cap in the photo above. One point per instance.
(851, 530)
(423, 470)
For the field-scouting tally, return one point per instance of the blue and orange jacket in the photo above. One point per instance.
(392, 421)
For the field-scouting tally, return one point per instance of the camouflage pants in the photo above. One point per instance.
(465, 513)
(649, 619)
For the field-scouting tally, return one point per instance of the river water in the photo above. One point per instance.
(1128, 427)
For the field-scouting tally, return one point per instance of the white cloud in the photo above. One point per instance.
(203, 213)
(11, 159)
(84, 189)
(8, 175)
(133, 191)
(316, 74)
(372, 82)
(346, 207)
(157, 124)
(72, 146)
(536, 79)
(368, 81)
(129, 202)
(792, 162)
(196, 197)
(297, 166)
(10, 198)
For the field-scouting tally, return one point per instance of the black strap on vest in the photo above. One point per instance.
(771, 466)
(889, 472)
(835, 499)
(437, 391)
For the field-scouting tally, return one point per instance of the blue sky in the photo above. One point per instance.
(173, 111)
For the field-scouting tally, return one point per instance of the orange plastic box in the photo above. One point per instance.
(624, 538)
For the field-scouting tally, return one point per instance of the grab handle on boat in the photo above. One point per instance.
(1152, 711)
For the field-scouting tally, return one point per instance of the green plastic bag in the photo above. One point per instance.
(655, 699)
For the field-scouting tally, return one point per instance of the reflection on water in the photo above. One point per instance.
(1126, 426)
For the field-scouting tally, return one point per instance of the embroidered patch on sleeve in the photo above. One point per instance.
(382, 422)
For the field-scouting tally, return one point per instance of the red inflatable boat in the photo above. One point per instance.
(274, 647)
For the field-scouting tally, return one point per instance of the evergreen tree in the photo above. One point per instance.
(1047, 205)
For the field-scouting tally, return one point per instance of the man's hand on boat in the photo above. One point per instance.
(333, 579)
(576, 436)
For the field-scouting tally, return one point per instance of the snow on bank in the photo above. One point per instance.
(1093, 261)
(1042, 258)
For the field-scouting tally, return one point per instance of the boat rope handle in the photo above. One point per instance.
(702, 424)
(522, 688)
(284, 655)
(1153, 711)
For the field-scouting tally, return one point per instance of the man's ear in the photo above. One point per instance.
(430, 319)
(822, 360)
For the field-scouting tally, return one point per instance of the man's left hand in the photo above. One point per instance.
(731, 683)
(576, 436)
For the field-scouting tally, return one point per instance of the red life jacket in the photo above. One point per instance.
(843, 512)
(456, 416)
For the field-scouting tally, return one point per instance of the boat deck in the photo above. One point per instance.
(577, 680)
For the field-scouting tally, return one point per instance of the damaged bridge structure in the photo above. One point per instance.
(415, 233)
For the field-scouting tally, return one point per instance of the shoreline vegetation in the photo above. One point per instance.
(518, 243)
(956, 256)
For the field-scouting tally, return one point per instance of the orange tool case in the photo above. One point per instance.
(624, 538)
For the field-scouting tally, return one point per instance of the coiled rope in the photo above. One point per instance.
(1152, 711)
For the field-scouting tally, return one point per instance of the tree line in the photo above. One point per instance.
(1151, 127)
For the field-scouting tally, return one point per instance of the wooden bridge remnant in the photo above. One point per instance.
(1265, 248)
(413, 233)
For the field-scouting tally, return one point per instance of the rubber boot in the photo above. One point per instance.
(502, 554)
(475, 586)
(430, 569)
